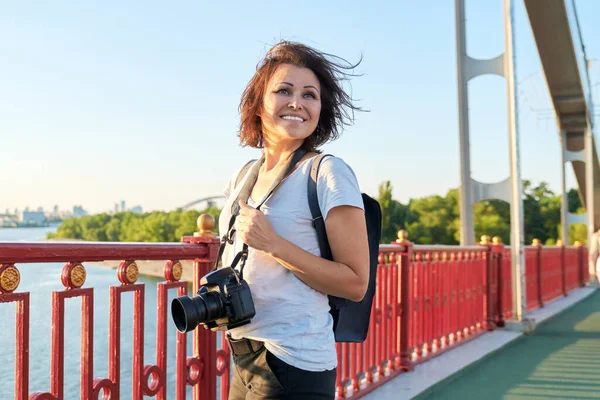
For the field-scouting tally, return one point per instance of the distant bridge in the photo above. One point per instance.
(210, 201)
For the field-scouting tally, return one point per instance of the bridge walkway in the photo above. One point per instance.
(559, 360)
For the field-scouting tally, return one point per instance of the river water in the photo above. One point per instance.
(40, 280)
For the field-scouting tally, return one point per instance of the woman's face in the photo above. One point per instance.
(291, 105)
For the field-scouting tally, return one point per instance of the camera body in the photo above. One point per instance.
(235, 296)
(223, 302)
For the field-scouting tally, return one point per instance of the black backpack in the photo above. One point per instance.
(350, 319)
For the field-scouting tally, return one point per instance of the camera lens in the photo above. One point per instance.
(188, 312)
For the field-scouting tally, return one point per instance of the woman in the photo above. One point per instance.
(295, 100)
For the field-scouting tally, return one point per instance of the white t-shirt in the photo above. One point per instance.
(292, 319)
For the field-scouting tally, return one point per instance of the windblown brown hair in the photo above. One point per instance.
(337, 108)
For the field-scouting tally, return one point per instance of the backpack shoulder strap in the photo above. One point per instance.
(313, 202)
(243, 172)
(315, 210)
(226, 238)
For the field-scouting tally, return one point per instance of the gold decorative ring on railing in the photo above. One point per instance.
(128, 272)
(9, 278)
(73, 275)
(173, 271)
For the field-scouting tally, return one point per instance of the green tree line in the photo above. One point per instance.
(428, 220)
(156, 226)
(436, 219)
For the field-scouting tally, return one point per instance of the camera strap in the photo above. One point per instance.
(244, 195)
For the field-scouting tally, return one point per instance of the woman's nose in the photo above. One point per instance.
(295, 103)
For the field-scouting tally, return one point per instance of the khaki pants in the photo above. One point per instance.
(261, 375)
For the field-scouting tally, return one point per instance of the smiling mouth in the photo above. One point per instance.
(292, 118)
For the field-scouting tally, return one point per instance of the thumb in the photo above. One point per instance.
(244, 206)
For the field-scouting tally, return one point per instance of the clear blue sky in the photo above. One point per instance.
(137, 101)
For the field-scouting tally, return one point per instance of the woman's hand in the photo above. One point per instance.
(254, 228)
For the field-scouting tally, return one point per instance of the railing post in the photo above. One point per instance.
(563, 270)
(582, 261)
(204, 341)
(489, 289)
(498, 252)
(406, 276)
(538, 268)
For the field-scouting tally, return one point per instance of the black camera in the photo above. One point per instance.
(223, 302)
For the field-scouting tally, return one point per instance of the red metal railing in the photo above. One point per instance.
(532, 272)
(552, 273)
(429, 299)
(198, 371)
(448, 289)
(450, 295)
(573, 274)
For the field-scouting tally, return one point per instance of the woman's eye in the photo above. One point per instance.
(283, 91)
(310, 95)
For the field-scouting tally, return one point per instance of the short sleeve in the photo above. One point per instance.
(337, 186)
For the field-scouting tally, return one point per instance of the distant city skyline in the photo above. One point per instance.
(55, 211)
(74, 210)
(102, 102)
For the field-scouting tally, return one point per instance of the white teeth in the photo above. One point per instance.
(292, 118)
